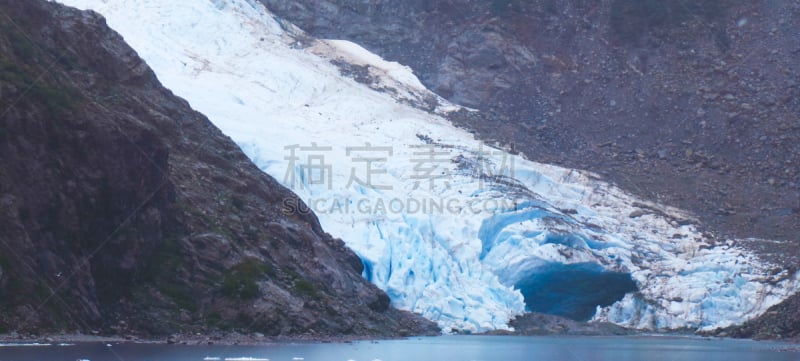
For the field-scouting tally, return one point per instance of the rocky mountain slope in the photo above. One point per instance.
(125, 211)
(692, 104)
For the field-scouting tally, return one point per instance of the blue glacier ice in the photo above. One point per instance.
(466, 248)
(573, 291)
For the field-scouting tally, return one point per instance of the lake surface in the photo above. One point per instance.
(447, 348)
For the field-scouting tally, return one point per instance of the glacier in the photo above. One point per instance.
(452, 228)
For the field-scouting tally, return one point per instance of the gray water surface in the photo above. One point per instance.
(449, 348)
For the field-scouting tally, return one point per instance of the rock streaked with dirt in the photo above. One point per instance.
(125, 212)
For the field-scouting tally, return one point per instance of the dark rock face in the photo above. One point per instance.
(534, 323)
(124, 211)
(689, 103)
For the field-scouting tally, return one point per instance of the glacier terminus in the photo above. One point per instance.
(465, 233)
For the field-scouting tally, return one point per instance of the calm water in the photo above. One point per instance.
(449, 348)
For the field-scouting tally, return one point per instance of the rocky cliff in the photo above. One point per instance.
(125, 211)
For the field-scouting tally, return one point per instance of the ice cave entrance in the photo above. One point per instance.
(573, 290)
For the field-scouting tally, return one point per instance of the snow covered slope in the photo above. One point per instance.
(449, 227)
